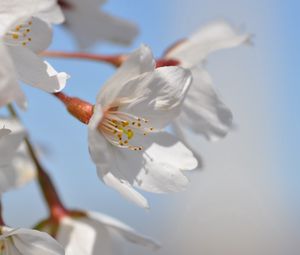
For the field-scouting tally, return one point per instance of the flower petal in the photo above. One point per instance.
(34, 242)
(9, 88)
(121, 228)
(12, 10)
(33, 71)
(203, 104)
(40, 35)
(100, 152)
(156, 169)
(138, 62)
(77, 237)
(10, 142)
(124, 188)
(212, 37)
(157, 96)
(99, 26)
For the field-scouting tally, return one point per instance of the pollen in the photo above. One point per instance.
(18, 35)
(121, 129)
(15, 36)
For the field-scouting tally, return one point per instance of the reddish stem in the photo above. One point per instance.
(166, 62)
(79, 108)
(115, 60)
(1, 216)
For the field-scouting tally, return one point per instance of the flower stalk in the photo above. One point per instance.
(77, 107)
(56, 208)
(115, 60)
(1, 216)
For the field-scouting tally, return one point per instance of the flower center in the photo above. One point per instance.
(19, 34)
(120, 128)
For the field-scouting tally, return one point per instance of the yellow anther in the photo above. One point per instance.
(151, 128)
(29, 39)
(15, 36)
(125, 123)
(129, 134)
(133, 123)
(139, 124)
(24, 43)
(27, 30)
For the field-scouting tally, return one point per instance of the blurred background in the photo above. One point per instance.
(246, 198)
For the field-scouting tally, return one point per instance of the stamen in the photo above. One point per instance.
(119, 128)
(18, 35)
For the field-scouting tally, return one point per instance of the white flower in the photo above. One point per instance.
(89, 24)
(203, 111)
(125, 138)
(16, 167)
(27, 242)
(97, 233)
(22, 36)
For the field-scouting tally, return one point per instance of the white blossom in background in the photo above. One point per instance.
(24, 32)
(126, 140)
(97, 233)
(16, 167)
(89, 24)
(203, 111)
(27, 242)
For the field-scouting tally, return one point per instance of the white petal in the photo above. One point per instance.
(33, 71)
(9, 88)
(77, 237)
(98, 146)
(100, 151)
(158, 95)
(123, 187)
(4, 132)
(99, 26)
(34, 242)
(22, 167)
(214, 36)
(50, 12)
(40, 34)
(10, 142)
(168, 149)
(10, 177)
(203, 111)
(124, 230)
(138, 62)
(156, 169)
(12, 10)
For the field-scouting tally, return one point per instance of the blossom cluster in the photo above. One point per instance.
(138, 128)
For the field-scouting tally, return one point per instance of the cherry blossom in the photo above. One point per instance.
(126, 138)
(203, 111)
(23, 34)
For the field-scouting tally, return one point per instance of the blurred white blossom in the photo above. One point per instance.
(203, 111)
(27, 242)
(97, 233)
(16, 166)
(89, 24)
(10, 140)
(24, 32)
(126, 140)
